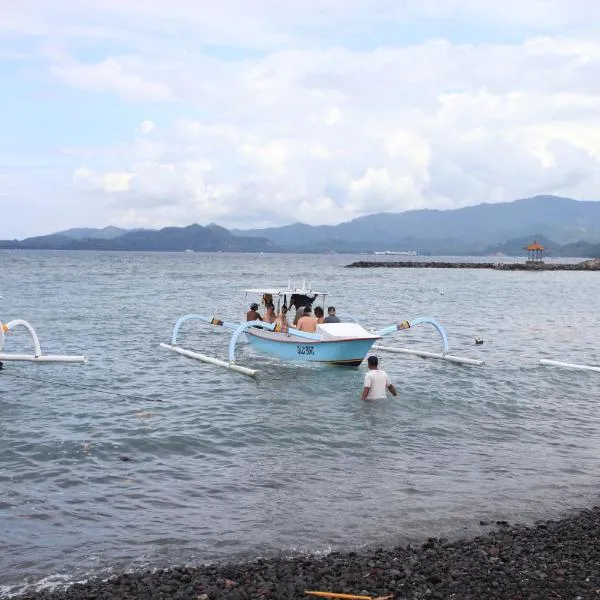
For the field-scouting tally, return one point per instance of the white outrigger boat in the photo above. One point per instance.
(345, 343)
(37, 355)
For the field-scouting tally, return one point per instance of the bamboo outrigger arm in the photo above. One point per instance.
(237, 328)
(424, 353)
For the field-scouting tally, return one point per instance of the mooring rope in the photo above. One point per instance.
(5, 372)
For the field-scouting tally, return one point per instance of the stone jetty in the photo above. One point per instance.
(586, 265)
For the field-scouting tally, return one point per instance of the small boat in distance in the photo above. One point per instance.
(397, 252)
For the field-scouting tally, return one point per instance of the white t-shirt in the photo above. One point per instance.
(377, 380)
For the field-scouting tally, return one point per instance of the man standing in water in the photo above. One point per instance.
(376, 382)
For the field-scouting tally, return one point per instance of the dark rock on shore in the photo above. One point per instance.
(587, 265)
(553, 559)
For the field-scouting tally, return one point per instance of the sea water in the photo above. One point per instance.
(143, 459)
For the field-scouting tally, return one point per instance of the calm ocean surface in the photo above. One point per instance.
(226, 467)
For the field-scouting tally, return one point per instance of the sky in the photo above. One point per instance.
(253, 114)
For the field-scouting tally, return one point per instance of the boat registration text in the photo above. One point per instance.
(302, 349)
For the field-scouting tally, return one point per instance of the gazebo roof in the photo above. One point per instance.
(535, 246)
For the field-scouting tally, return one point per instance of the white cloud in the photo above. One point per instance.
(321, 132)
(123, 76)
(271, 23)
(146, 126)
(429, 125)
(108, 182)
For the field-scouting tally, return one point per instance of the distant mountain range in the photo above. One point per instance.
(170, 239)
(469, 230)
(106, 233)
(566, 227)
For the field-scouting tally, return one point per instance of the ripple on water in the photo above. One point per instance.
(222, 466)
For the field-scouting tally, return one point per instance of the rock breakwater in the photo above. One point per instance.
(587, 265)
(553, 559)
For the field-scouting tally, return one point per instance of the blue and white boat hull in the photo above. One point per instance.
(298, 346)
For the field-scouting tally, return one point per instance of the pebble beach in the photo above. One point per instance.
(551, 559)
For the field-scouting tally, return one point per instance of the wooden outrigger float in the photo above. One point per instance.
(345, 343)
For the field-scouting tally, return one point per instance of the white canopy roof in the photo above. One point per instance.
(284, 291)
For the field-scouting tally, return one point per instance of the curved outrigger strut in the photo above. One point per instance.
(192, 317)
(237, 328)
(424, 353)
(38, 356)
(241, 329)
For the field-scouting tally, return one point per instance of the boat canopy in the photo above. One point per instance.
(304, 295)
(285, 291)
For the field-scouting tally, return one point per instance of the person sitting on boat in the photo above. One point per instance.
(270, 316)
(267, 299)
(299, 302)
(319, 314)
(281, 322)
(252, 314)
(307, 322)
(331, 316)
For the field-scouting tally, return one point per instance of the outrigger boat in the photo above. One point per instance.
(345, 343)
(37, 356)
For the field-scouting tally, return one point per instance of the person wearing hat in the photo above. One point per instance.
(252, 314)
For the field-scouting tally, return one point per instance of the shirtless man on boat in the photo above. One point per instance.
(252, 314)
(307, 322)
(299, 302)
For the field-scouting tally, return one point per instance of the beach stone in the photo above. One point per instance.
(549, 560)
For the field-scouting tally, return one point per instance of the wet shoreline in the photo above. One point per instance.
(551, 559)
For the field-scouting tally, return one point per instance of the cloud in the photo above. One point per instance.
(272, 23)
(108, 182)
(123, 76)
(146, 126)
(429, 125)
(269, 113)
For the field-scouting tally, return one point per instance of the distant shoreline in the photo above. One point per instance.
(587, 265)
(450, 263)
